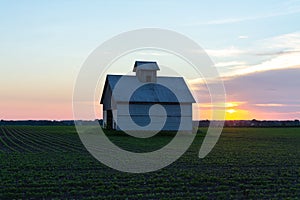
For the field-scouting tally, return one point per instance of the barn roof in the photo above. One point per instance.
(149, 93)
(145, 65)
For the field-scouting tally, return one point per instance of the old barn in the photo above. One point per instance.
(172, 93)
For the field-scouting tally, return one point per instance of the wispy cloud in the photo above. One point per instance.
(237, 19)
(230, 63)
(261, 95)
(222, 105)
(226, 52)
(278, 52)
(274, 53)
(243, 37)
(282, 44)
(269, 105)
(225, 21)
(151, 53)
(286, 42)
(279, 62)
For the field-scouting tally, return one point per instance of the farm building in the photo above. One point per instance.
(127, 99)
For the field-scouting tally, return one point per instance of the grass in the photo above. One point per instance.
(51, 162)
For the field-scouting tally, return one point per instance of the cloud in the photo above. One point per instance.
(288, 10)
(269, 105)
(276, 86)
(226, 52)
(230, 63)
(263, 95)
(151, 53)
(278, 45)
(285, 41)
(243, 37)
(222, 105)
(278, 52)
(279, 62)
(274, 46)
(226, 21)
(266, 76)
(274, 91)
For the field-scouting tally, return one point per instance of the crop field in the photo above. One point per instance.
(50, 162)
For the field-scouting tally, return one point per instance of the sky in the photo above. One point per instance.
(255, 45)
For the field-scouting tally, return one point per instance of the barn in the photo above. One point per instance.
(127, 99)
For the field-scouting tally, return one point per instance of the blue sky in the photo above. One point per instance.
(44, 43)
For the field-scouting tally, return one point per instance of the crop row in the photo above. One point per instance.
(14, 139)
(51, 163)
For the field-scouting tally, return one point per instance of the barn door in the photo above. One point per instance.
(109, 119)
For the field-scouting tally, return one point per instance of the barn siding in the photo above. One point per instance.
(115, 119)
(107, 99)
(186, 123)
(141, 117)
(104, 118)
(141, 109)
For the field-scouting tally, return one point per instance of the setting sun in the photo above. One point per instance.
(234, 112)
(237, 114)
(231, 111)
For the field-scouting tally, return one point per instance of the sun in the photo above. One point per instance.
(232, 114)
(231, 111)
(237, 114)
(234, 110)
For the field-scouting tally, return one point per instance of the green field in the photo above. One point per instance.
(247, 163)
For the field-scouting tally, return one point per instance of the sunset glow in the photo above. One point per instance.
(237, 114)
(231, 111)
(42, 53)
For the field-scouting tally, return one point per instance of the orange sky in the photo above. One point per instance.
(263, 99)
(255, 48)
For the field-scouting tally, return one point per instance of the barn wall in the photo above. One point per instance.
(115, 119)
(142, 75)
(142, 118)
(140, 109)
(104, 118)
(107, 99)
(186, 122)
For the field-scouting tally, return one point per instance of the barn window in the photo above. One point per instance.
(148, 78)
